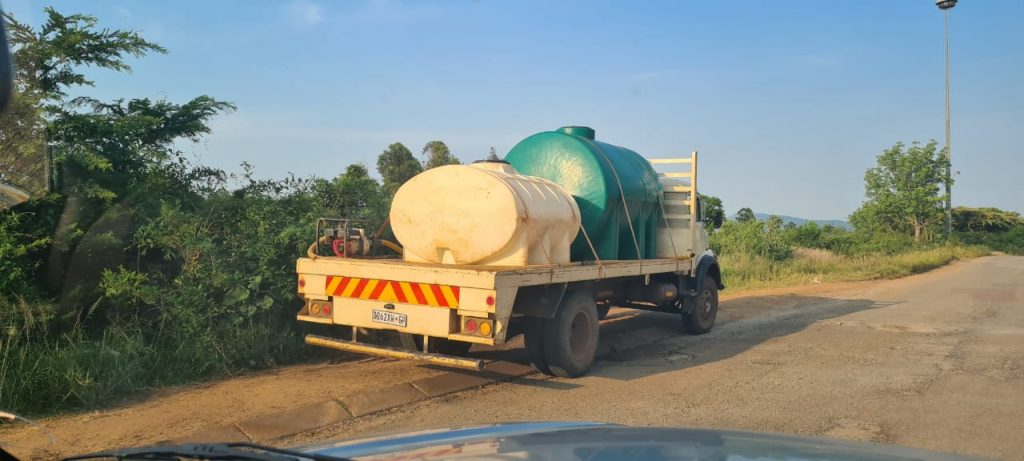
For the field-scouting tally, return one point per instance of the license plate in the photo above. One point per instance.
(390, 318)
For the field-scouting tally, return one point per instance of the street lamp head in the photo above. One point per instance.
(945, 4)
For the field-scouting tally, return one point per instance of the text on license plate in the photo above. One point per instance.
(390, 318)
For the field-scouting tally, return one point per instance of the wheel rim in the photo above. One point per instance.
(580, 335)
(707, 308)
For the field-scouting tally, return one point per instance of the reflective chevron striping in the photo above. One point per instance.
(426, 294)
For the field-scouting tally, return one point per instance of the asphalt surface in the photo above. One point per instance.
(933, 361)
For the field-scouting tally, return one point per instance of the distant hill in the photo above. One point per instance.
(798, 221)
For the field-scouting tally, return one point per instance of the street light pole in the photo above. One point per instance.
(945, 6)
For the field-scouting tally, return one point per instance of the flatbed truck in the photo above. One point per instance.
(440, 310)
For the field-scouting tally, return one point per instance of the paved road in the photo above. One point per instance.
(933, 361)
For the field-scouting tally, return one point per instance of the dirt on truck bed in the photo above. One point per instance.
(933, 361)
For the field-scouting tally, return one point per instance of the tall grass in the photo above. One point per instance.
(43, 372)
(747, 270)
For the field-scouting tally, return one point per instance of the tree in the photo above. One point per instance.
(985, 219)
(713, 213)
(352, 194)
(105, 152)
(23, 161)
(107, 149)
(745, 215)
(47, 62)
(149, 259)
(437, 154)
(904, 191)
(50, 59)
(397, 165)
(493, 155)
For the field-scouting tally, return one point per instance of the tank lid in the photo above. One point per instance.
(581, 131)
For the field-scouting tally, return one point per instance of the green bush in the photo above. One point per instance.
(761, 238)
(140, 269)
(209, 291)
(72, 371)
(766, 254)
(1010, 241)
(746, 270)
(18, 245)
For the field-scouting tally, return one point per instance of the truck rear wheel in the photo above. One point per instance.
(570, 338)
(444, 346)
(703, 309)
(533, 337)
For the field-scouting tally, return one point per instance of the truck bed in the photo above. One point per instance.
(488, 276)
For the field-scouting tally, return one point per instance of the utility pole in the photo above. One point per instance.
(945, 6)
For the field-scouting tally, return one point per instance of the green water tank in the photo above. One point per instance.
(613, 186)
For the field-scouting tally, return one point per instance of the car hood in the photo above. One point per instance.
(596, 441)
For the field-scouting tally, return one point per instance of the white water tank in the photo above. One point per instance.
(484, 214)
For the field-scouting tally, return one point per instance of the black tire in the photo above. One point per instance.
(703, 309)
(413, 342)
(570, 339)
(602, 310)
(533, 337)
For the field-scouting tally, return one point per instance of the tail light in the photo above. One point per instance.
(477, 326)
(320, 308)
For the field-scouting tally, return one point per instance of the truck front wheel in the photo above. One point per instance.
(570, 338)
(703, 309)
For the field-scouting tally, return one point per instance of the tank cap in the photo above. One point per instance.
(581, 131)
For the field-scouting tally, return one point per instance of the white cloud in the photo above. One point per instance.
(304, 13)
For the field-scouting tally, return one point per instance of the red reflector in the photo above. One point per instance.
(471, 326)
(327, 309)
(490, 300)
(302, 283)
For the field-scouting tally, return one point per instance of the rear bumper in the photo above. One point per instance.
(437, 322)
(385, 351)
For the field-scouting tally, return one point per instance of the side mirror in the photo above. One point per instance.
(6, 68)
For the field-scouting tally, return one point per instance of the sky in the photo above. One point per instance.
(787, 102)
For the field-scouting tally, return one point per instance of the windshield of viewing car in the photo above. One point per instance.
(296, 222)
